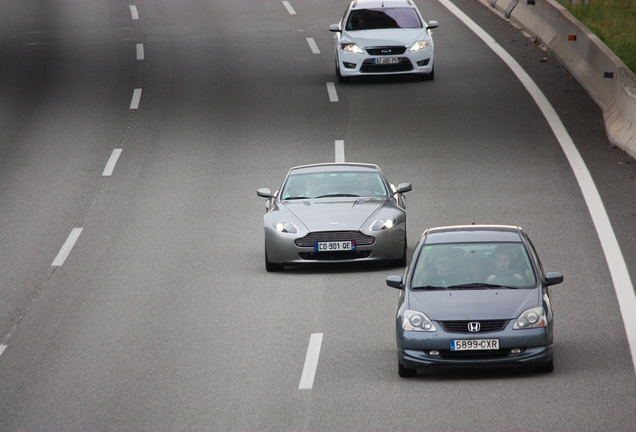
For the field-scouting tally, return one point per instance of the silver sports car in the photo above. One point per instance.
(335, 212)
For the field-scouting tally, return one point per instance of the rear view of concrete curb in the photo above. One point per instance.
(605, 77)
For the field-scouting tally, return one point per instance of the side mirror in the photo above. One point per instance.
(395, 282)
(432, 24)
(553, 278)
(334, 28)
(404, 187)
(264, 192)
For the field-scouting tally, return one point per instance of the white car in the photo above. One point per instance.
(383, 37)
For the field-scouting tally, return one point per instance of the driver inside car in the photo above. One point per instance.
(502, 272)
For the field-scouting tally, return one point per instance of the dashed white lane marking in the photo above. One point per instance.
(110, 165)
(2, 348)
(613, 255)
(67, 247)
(133, 12)
(331, 89)
(140, 51)
(340, 155)
(289, 8)
(313, 46)
(134, 103)
(311, 362)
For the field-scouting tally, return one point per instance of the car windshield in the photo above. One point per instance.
(374, 19)
(473, 266)
(334, 184)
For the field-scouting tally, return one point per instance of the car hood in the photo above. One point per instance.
(328, 214)
(385, 37)
(445, 305)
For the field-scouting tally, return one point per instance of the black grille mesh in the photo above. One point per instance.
(486, 326)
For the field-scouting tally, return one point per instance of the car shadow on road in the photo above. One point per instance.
(342, 268)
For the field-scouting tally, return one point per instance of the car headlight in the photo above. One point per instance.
(381, 224)
(286, 227)
(351, 47)
(531, 318)
(420, 45)
(416, 321)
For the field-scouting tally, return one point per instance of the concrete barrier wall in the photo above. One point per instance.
(605, 77)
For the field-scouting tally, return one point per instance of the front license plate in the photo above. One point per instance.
(474, 344)
(387, 60)
(334, 246)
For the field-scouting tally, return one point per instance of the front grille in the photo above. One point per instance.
(334, 256)
(334, 236)
(387, 50)
(462, 326)
(404, 65)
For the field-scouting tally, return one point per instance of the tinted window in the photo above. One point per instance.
(373, 19)
(444, 265)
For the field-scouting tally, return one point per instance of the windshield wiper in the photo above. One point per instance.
(338, 195)
(296, 197)
(429, 287)
(479, 285)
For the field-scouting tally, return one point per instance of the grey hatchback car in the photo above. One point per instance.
(474, 296)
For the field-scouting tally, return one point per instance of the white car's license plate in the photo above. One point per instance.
(334, 246)
(474, 344)
(387, 60)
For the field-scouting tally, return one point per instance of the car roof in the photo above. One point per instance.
(333, 166)
(378, 4)
(473, 233)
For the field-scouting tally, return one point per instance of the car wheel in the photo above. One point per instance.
(401, 262)
(341, 79)
(429, 76)
(546, 368)
(405, 372)
(272, 267)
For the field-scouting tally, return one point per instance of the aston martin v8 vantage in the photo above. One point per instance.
(334, 212)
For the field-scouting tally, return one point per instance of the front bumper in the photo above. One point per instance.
(528, 347)
(283, 249)
(352, 64)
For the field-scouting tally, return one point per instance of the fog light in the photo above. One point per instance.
(349, 65)
(433, 353)
(515, 351)
(423, 62)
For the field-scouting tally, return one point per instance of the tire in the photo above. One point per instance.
(272, 267)
(341, 79)
(546, 368)
(401, 262)
(405, 372)
(429, 76)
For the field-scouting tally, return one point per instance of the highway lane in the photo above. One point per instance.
(163, 317)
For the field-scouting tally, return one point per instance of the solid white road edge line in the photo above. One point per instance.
(136, 98)
(613, 255)
(311, 362)
(340, 156)
(140, 51)
(331, 89)
(110, 165)
(289, 8)
(313, 46)
(133, 12)
(67, 247)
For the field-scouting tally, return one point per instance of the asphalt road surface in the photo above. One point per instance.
(133, 293)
